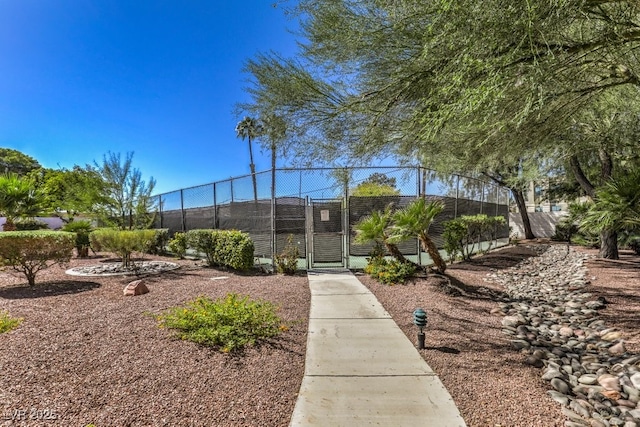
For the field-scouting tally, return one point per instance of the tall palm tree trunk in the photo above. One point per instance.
(253, 172)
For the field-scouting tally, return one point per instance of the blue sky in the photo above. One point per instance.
(79, 78)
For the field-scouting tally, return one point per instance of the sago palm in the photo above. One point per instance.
(18, 197)
(375, 228)
(414, 221)
(616, 207)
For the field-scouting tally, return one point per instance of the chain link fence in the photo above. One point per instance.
(318, 208)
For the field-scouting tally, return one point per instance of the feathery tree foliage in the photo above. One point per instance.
(128, 201)
(469, 85)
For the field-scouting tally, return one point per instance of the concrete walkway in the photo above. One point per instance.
(361, 370)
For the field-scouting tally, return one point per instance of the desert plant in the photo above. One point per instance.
(123, 242)
(7, 322)
(462, 234)
(82, 230)
(376, 228)
(389, 271)
(160, 241)
(287, 261)
(454, 235)
(18, 197)
(414, 221)
(204, 242)
(228, 324)
(178, 244)
(615, 209)
(29, 252)
(228, 248)
(26, 224)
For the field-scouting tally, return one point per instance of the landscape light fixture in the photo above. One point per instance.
(420, 320)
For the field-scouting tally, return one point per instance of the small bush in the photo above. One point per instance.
(228, 324)
(27, 224)
(28, 252)
(204, 242)
(287, 261)
(178, 245)
(123, 242)
(160, 241)
(389, 271)
(7, 322)
(454, 236)
(463, 233)
(82, 229)
(235, 249)
(228, 248)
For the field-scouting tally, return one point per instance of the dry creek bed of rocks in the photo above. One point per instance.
(553, 318)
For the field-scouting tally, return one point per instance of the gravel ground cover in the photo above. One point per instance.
(87, 354)
(486, 376)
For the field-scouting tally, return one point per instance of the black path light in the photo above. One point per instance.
(420, 320)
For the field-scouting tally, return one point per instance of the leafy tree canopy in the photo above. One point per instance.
(14, 161)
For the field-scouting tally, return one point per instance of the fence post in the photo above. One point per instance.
(273, 219)
(160, 210)
(308, 215)
(182, 210)
(215, 207)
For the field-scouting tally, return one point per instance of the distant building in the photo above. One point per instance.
(537, 201)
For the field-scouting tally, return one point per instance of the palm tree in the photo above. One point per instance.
(414, 221)
(18, 197)
(376, 228)
(250, 128)
(616, 208)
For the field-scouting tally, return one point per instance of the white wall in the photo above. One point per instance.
(543, 224)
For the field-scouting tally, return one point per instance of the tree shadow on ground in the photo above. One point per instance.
(47, 289)
(444, 349)
(456, 288)
(498, 260)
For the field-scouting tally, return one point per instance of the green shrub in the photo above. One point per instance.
(123, 242)
(203, 241)
(389, 271)
(82, 230)
(463, 233)
(160, 241)
(454, 236)
(228, 324)
(235, 249)
(7, 322)
(287, 261)
(28, 252)
(178, 245)
(26, 224)
(229, 248)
